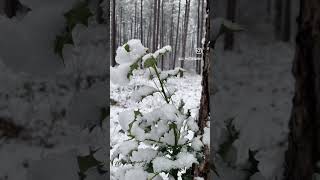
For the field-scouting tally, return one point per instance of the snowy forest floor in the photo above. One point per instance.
(255, 89)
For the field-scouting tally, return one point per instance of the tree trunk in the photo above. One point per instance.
(185, 34)
(278, 19)
(198, 34)
(141, 22)
(177, 37)
(287, 22)
(304, 151)
(99, 17)
(114, 34)
(201, 30)
(120, 28)
(11, 8)
(154, 37)
(269, 8)
(171, 33)
(203, 170)
(162, 33)
(158, 24)
(231, 15)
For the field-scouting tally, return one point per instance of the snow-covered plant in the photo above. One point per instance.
(161, 142)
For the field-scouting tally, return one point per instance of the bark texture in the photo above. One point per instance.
(203, 169)
(303, 150)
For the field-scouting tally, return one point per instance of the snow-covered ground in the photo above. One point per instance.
(187, 88)
(255, 89)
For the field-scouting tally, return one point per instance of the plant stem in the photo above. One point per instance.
(161, 83)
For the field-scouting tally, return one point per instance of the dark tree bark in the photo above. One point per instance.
(201, 30)
(203, 169)
(185, 34)
(304, 151)
(114, 34)
(141, 21)
(99, 16)
(171, 33)
(11, 7)
(135, 20)
(177, 37)
(278, 16)
(154, 34)
(287, 22)
(162, 32)
(198, 33)
(231, 15)
(121, 28)
(269, 2)
(158, 23)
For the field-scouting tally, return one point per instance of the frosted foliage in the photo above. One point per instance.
(169, 138)
(119, 74)
(138, 132)
(136, 173)
(137, 50)
(184, 160)
(197, 144)
(127, 147)
(125, 118)
(159, 135)
(143, 155)
(143, 92)
(123, 56)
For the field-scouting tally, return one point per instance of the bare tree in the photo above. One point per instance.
(185, 34)
(154, 35)
(162, 32)
(203, 169)
(278, 19)
(114, 34)
(141, 22)
(287, 22)
(304, 147)
(135, 20)
(177, 37)
(198, 33)
(201, 29)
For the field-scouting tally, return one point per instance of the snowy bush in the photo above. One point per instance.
(161, 142)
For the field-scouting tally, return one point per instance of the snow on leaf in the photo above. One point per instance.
(136, 173)
(149, 62)
(145, 155)
(143, 92)
(125, 118)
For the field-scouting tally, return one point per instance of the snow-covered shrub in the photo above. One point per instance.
(161, 142)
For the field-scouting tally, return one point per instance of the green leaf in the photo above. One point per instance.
(133, 67)
(151, 62)
(188, 175)
(61, 41)
(79, 14)
(127, 47)
(87, 162)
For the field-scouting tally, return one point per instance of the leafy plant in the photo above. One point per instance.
(163, 131)
(79, 14)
